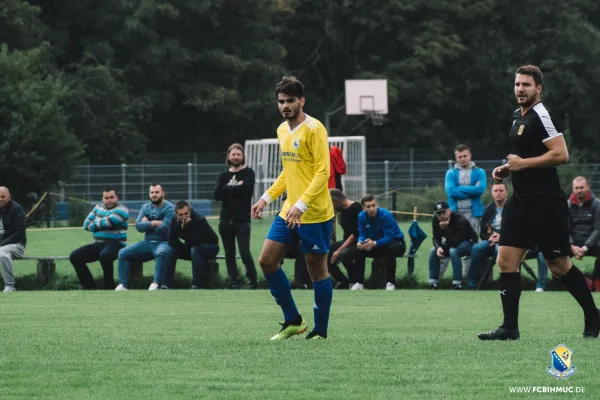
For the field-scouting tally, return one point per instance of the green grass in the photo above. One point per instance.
(214, 344)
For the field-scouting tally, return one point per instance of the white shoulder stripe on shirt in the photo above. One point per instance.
(542, 112)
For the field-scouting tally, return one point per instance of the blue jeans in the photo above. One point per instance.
(198, 255)
(143, 251)
(479, 253)
(456, 254)
(542, 270)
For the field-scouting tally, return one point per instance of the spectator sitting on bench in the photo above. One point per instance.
(154, 220)
(13, 238)
(345, 250)
(108, 223)
(379, 236)
(453, 236)
(489, 234)
(200, 244)
(584, 226)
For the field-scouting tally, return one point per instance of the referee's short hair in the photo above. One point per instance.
(533, 71)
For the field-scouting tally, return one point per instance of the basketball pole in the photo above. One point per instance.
(329, 114)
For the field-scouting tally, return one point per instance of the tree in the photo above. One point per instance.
(37, 150)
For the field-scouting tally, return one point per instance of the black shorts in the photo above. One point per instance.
(537, 220)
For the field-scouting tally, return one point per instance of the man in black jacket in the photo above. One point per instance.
(200, 243)
(13, 238)
(453, 236)
(584, 226)
(234, 190)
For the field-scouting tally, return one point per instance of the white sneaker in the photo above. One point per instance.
(153, 286)
(120, 288)
(390, 286)
(357, 286)
(539, 290)
(9, 289)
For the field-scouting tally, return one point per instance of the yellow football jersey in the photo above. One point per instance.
(305, 174)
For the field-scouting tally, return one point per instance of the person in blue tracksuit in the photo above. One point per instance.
(379, 236)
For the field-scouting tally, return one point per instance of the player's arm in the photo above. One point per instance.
(276, 189)
(557, 154)
(476, 190)
(116, 217)
(436, 237)
(320, 149)
(554, 141)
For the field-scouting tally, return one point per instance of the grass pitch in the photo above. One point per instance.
(214, 344)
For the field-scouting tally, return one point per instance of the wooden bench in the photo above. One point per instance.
(46, 266)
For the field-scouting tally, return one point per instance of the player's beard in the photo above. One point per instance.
(157, 201)
(235, 163)
(292, 114)
(530, 101)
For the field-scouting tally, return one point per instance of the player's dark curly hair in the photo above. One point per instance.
(533, 71)
(291, 86)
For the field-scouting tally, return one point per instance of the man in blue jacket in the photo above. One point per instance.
(154, 220)
(379, 236)
(465, 184)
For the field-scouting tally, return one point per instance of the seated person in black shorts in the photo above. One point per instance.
(584, 226)
(537, 213)
(344, 251)
(379, 236)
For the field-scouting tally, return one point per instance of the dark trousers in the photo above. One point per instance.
(229, 230)
(106, 253)
(347, 259)
(199, 255)
(388, 253)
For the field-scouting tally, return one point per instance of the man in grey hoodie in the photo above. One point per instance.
(584, 226)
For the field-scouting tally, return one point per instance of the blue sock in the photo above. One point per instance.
(282, 292)
(323, 296)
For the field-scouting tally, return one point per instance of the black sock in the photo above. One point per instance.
(510, 293)
(596, 273)
(577, 286)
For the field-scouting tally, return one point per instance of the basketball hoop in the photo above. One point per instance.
(376, 117)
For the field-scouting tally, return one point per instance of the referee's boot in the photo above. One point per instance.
(592, 327)
(500, 333)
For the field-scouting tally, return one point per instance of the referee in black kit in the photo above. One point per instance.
(537, 213)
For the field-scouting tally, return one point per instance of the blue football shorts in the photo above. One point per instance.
(315, 237)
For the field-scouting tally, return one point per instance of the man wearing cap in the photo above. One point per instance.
(453, 236)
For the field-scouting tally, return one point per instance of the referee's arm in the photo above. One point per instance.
(557, 154)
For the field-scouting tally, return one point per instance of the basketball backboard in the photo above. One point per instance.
(366, 96)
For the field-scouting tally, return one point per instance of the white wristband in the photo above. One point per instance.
(300, 205)
(267, 198)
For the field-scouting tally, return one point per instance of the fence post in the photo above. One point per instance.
(449, 164)
(386, 174)
(48, 208)
(89, 191)
(123, 180)
(395, 203)
(190, 182)
(142, 194)
(411, 169)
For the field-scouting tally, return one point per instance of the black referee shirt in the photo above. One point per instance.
(527, 137)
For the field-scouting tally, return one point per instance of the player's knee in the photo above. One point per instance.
(506, 264)
(267, 264)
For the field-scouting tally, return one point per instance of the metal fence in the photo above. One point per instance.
(197, 181)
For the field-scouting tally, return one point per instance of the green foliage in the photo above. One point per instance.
(78, 211)
(37, 149)
(180, 75)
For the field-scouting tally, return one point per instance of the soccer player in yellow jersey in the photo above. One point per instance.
(306, 215)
